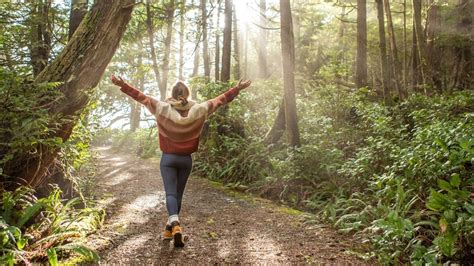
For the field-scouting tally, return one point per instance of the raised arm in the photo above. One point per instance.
(227, 96)
(150, 103)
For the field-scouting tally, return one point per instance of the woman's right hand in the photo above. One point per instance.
(243, 84)
(117, 81)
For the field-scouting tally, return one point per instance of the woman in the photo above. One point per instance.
(180, 122)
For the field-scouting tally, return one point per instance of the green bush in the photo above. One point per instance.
(33, 230)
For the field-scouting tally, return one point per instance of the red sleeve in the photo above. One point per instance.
(222, 99)
(140, 97)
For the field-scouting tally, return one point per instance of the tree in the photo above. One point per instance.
(383, 53)
(182, 29)
(93, 44)
(227, 45)
(262, 41)
(205, 50)
(237, 56)
(151, 43)
(169, 9)
(361, 59)
(78, 12)
(40, 35)
(217, 57)
(395, 66)
(288, 60)
(462, 75)
(420, 51)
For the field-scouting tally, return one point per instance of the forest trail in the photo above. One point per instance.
(221, 228)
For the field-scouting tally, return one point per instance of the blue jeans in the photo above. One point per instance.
(175, 170)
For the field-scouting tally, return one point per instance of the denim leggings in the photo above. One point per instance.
(175, 170)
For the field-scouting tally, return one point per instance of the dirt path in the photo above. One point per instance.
(221, 228)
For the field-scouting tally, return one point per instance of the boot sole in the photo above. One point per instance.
(178, 240)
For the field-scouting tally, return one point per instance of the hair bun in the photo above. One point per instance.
(182, 100)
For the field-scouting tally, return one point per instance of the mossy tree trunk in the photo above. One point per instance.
(79, 68)
(288, 61)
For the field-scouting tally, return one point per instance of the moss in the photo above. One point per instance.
(254, 199)
(76, 260)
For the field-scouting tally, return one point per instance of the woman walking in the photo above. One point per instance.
(180, 122)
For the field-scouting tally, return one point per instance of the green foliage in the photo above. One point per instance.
(25, 123)
(30, 226)
(399, 177)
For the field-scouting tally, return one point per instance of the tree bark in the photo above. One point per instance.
(395, 67)
(170, 8)
(405, 49)
(77, 13)
(383, 53)
(361, 59)
(463, 75)
(205, 49)
(278, 128)
(151, 43)
(135, 107)
(415, 61)
(420, 40)
(227, 45)
(262, 41)
(217, 57)
(182, 29)
(93, 44)
(237, 57)
(288, 60)
(40, 35)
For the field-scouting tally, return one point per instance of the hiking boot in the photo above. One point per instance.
(167, 234)
(177, 234)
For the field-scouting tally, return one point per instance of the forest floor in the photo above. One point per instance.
(222, 226)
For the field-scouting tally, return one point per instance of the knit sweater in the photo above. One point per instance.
(179, 130)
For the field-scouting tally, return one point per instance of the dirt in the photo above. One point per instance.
(222, 226)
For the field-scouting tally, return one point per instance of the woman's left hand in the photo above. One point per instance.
(117, 81)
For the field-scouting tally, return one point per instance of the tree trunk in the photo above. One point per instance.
(246, 52)
(405, 49)
(227, 45)
(205, 50)
(182, 29)
(395, 66)
(40, 35)
(415, 61)
(135, 107)
(77, 13)
(151, 43)
(278, 128)
(383, 53)
(217, 57)
(196, 61)
(433, 25)
(288, 60)
(170, 8)
(463, 76)
(420, 40)
(237, 58)
(93, 44)
(262, 41)
(361, 59)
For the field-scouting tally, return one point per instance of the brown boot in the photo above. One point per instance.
(167, 234)
(177, 234)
